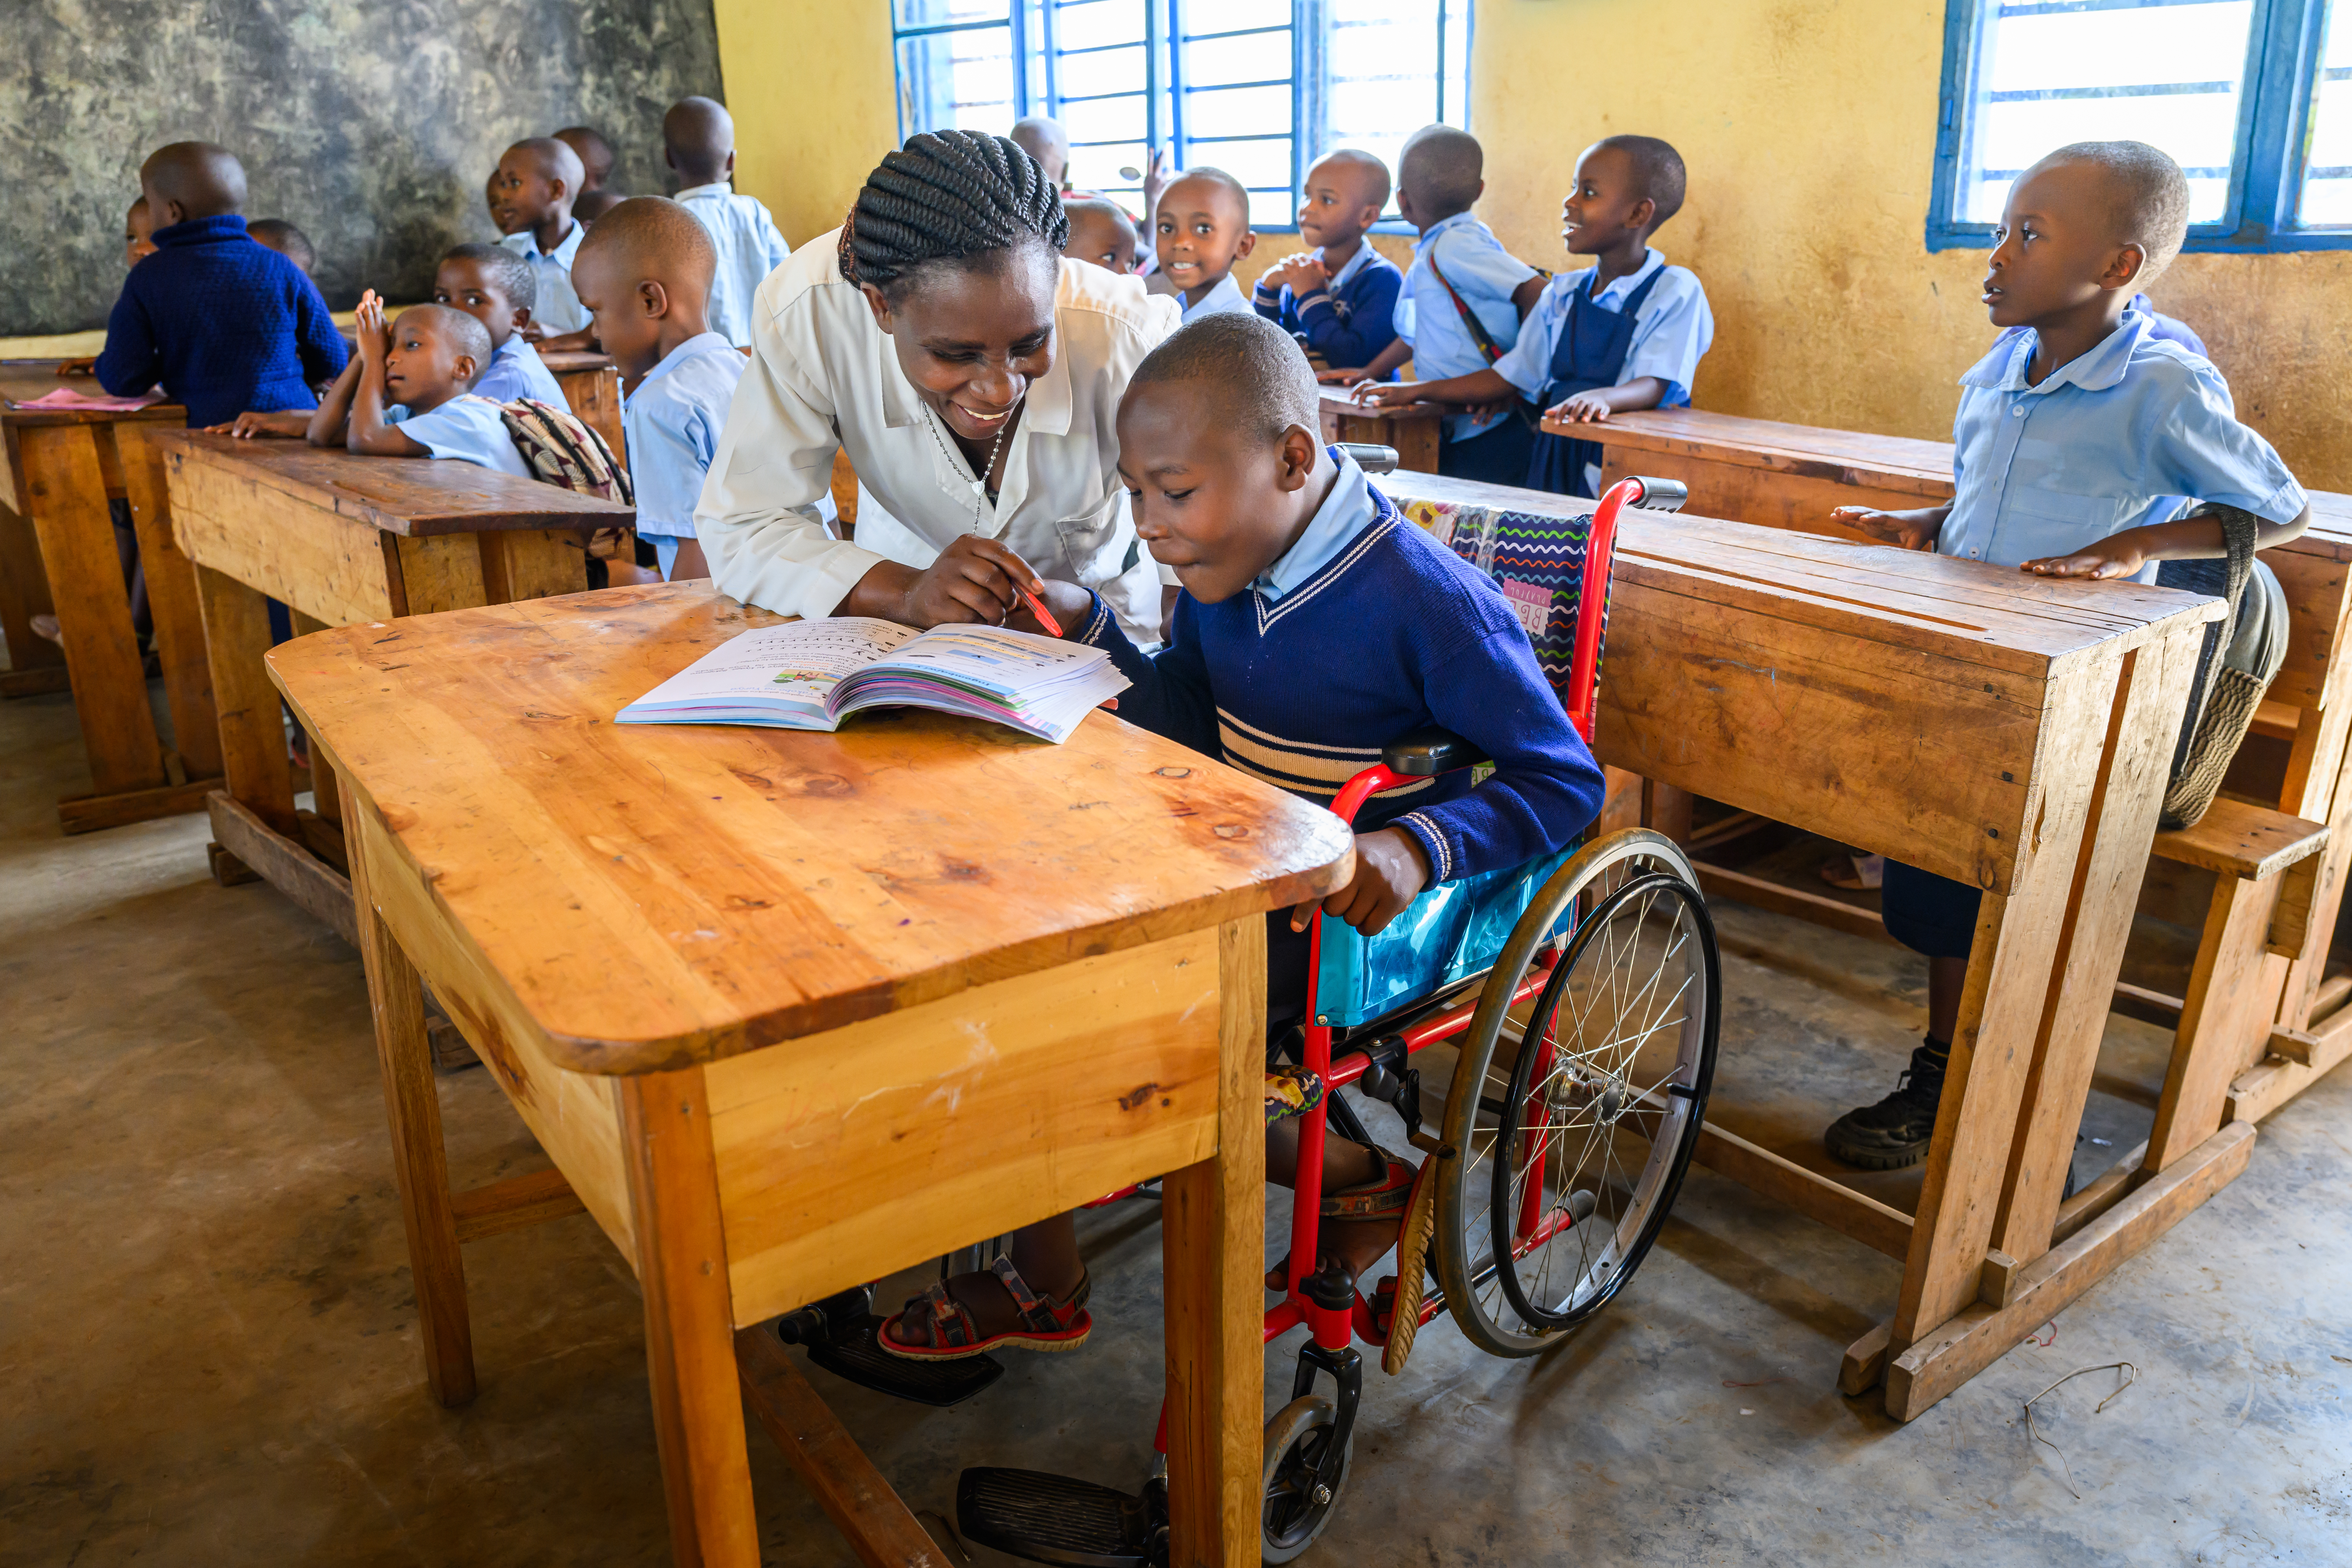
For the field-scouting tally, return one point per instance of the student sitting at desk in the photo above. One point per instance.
(1338, 298)
(596, 196)
(221, 323)
(138, 234)
(644, 275)
(1203, 227)
(698, 139)
(498, 289)
(427, 360)
(1316, 626)
(2076, 440)
(1625, 334)
(531, 200)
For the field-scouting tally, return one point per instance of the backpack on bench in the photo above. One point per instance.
(562, 449)
(2241, 655)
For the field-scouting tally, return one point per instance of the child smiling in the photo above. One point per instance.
(1203, 228)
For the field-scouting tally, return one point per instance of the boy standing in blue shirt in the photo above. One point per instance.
(699, 139)
(1625, 334)
(537, 180)
(2080, 440)
(222, 324)
(1460, 305)
(644, 275)
(1338, 298)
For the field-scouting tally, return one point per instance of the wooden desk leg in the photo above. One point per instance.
(419, 1165)
(2225, 1017)
(36, 665)
(1212, 1238)
(65, 494)
(171, 599)
(259, 774)
(689, 1334)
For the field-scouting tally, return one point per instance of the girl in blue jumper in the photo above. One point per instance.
(1316, 625)
(1623, 334)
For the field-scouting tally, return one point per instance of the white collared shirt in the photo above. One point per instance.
(750, 246)
(558, 308)
(1226, 298)
(824, 377)
(1346, 512)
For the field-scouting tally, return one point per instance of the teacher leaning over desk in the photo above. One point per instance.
(936, 337)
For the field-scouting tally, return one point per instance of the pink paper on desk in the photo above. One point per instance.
(67, 397)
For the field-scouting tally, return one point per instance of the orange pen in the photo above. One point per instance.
(1038, 608)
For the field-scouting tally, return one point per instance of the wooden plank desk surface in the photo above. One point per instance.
(1414, 430)
(910, 985)
(2009, 732)
(58, 555)
(338, 537)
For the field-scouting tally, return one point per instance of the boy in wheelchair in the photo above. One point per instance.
(1317, 626)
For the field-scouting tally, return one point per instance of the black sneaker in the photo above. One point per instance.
(1896, 1131)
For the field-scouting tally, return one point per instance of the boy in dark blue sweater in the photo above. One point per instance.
(1338, 298)
(1317, 626)
(223, 325)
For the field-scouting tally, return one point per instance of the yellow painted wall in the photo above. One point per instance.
(812, 88)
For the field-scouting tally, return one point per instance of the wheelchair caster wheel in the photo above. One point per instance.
(1296, 1501)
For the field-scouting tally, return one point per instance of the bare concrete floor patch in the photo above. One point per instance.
(208, 1352)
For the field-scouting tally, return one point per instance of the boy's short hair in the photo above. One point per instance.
(2151, 197)
(507, 272)
(658, 238)
(1448, 163)
(595, 153)
(206, 179)
(285, 239)
(1380, 185)
(466, 334)
(1263, 383)
(1211, 172)
(698, 133)
(556, 160)
(1101, 207)
(1658, 168)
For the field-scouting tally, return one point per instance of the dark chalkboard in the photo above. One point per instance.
(371, 124)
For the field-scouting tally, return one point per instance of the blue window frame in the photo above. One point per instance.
(1259, 90)
(2252, 97)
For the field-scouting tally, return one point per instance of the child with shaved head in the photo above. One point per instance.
(531, 194)
(698, 139)
(409, 393)
(498, 288)
(1102, 233)
(644, 275)
(1317, 626)
(1340, 298)
(2080, 441)
(596, 161)
(222, 324)
(1203, 228)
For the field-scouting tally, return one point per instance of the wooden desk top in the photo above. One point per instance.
(22, 380)
(1845, 457)
(659, 895)
(1334, 400)
(412, 496)
(573, 361)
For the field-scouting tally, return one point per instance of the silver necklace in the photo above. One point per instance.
(979, 491)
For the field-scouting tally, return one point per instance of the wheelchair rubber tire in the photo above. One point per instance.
(1283, 1537)
(1469, 1186)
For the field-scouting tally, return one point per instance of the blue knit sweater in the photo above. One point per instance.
(1350, 325)
(222, 322)
(1394, 633)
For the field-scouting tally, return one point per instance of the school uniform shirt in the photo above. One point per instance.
(673, 419)
(1485, 275)
(1224, 300)
(468, 428)
(559, 309)
(2170, 328)
(222, 324)
(2123, 436)
(516, 371)
(750, 246)
(1349, 320)
(823, 379)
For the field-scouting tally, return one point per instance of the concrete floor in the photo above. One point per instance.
(208, 1353)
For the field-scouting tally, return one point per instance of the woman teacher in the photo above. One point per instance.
(974, 377)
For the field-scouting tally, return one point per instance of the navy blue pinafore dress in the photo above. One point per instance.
(1589, 353)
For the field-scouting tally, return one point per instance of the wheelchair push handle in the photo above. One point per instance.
(1660, 495)
(1371, 459)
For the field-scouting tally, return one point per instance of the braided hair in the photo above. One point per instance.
(949, 196)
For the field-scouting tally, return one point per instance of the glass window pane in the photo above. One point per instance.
(932, 13)
(1102, 71)
(1232, 16)
(961, 81)
(1097, 169)
(1258, 56)
(1381, 76)
(2168, 74)
(1273, 209)
(2327, 199)
(1103, 120)
(1089, 23)
(1259, 165)
(1238, 111)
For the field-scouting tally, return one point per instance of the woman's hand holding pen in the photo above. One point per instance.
(975, 579)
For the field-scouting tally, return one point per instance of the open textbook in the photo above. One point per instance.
(810, 675)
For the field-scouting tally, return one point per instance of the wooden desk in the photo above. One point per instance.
(786, 1025)
(2005, 731)
(58, 555)
(592, 386)
(338, 539)
(1791, 476)
(1413, 430)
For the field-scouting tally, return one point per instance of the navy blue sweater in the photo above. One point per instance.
(1394, 633)
(222, 323)
(1347, 326)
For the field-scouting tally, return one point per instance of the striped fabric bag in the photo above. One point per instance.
(1537, 560)
(565, 452)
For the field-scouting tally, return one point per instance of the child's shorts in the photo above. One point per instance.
(1927, 913)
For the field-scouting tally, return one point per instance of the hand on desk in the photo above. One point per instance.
(291, 424)
(1390, 871)
(76, 366)
(1385, 394)
(1342, 377)
(1911, 529)
(1583, 408)
(2107, 560)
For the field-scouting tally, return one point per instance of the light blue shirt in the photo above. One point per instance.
(750, 248)
(2121, 436)
(1671, 330)
(673, 419)
(559, 309)
(516, 371)
(468, 428)
(1344, 514)
(1226, 298)
(1485, 275)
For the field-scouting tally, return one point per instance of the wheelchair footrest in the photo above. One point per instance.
(857, 1358)
(1058, 1519)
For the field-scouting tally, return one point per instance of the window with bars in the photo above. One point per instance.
(1256, 90)
(2254, 97)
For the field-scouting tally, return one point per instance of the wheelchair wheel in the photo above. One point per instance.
(1294, 1507)
(1572, 1118)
